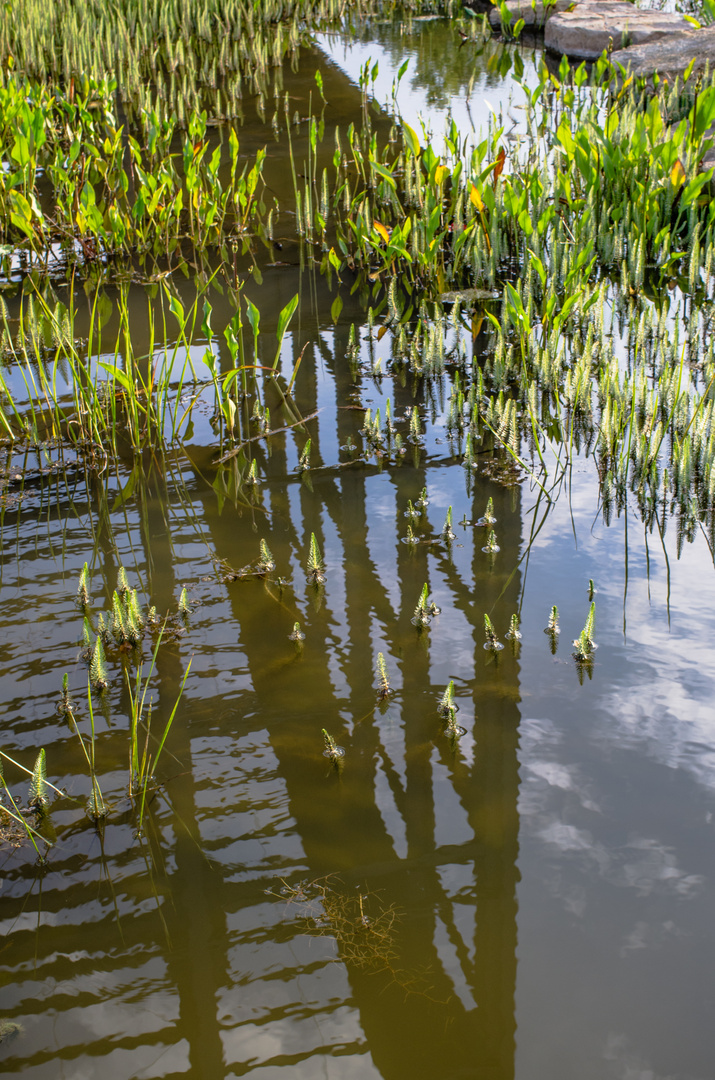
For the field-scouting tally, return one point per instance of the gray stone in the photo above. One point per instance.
(670, 57)
(534, 15)
(591, 27)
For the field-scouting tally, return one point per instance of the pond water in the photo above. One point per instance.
(531, 900)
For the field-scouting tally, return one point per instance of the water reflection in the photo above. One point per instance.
(190, 960)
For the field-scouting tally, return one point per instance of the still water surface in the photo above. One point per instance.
(534, 903)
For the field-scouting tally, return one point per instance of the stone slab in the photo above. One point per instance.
(591, 27)
(670, 57)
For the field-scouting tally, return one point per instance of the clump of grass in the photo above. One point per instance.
(126, 624)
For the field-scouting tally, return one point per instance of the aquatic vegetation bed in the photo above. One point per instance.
(180, 56)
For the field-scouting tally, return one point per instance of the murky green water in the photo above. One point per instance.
(535, 902)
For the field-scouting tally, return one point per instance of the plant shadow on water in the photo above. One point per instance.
(380, 415)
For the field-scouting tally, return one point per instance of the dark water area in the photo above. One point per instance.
(532, 900)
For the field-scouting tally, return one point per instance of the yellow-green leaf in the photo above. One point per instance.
(677, 173)
(411, 139)
(476, 198)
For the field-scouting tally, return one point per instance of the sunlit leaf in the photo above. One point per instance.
(382, 231)
(411, 139)
(476, 198)
(677, 173)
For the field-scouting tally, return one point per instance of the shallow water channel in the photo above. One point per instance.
(532, 900)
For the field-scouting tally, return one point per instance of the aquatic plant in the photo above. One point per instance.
(584, 644)
(184, 604)
(65, 702)
(143, 760)
(411, 537)
(83, 587)
(304, 460)
(492, 641)
(98, 668)
(96, 807)
(266, 562)
(491, 546)
(331, 750)
(552, 627)
(37, 794)
(448, 534)
(384, 689)
(488, 517)
(15, 814)
(297, 635)
(422, 502)
(422, 614)
(315, 564)
(447, 707)
(513, 633)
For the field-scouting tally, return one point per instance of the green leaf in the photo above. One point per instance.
(118, 375)
(410, 136)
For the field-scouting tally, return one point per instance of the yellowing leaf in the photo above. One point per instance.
(476, 198)
(382, 231)
(439, 175)
(677, 174)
